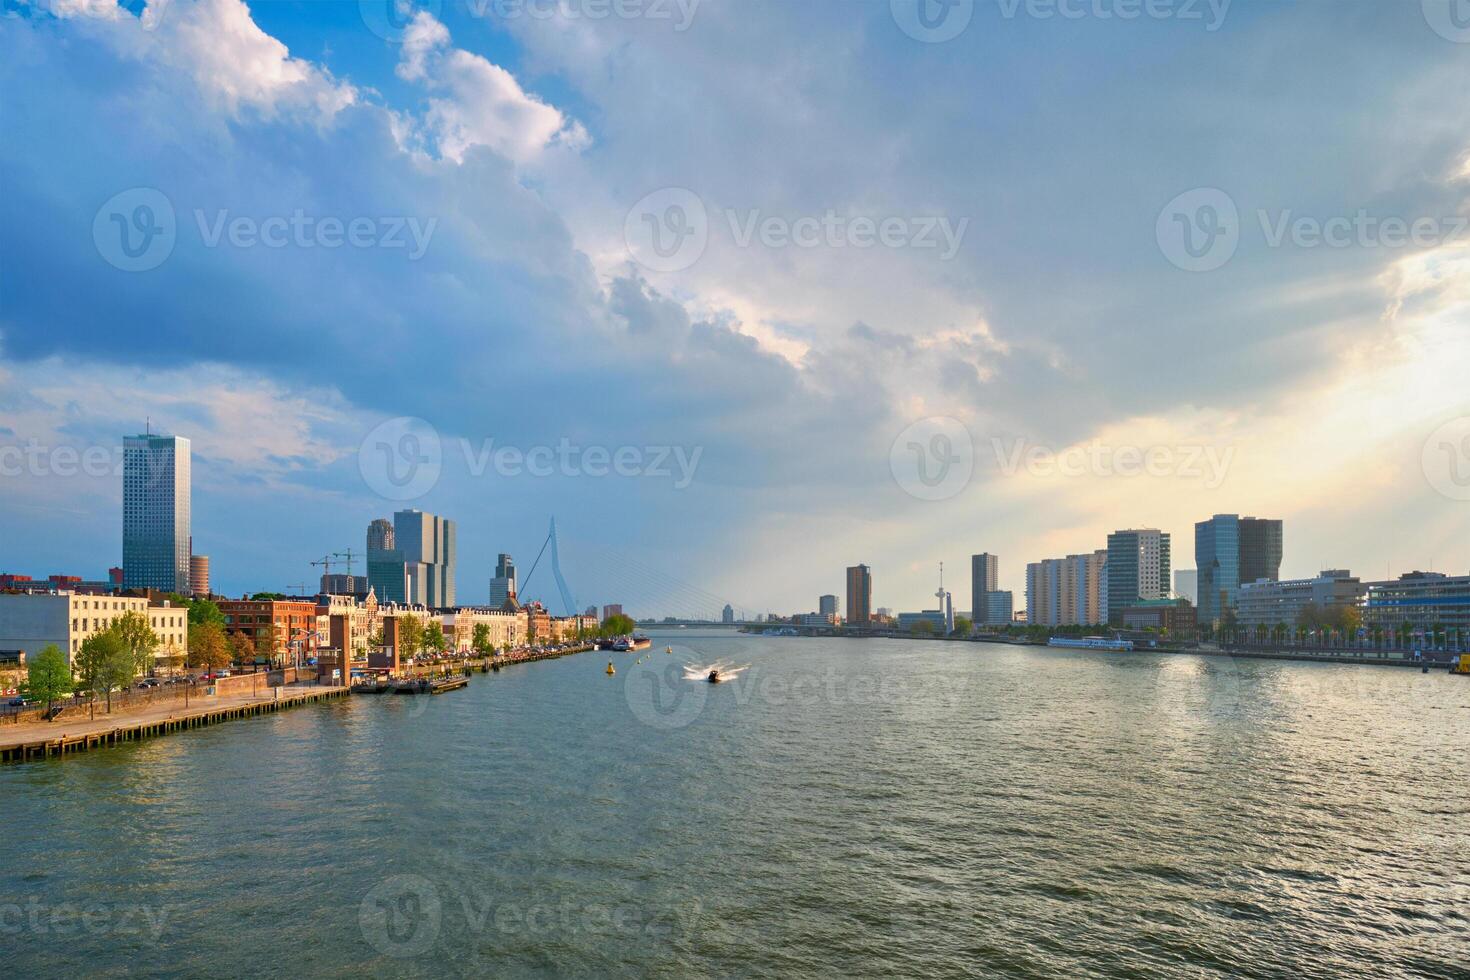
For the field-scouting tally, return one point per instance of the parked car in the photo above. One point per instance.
(150, 682)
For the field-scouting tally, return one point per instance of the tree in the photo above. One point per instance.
(118, 669)
(48, 677)
(208, 647)
(375, 639)
(133, 629)
(617, 625)
(242, 648)
(962, 625)
(203, 611)
(92, 659)
(434, 638)
(410, 636)
(480, 641)
(922, 627)
(265, 648)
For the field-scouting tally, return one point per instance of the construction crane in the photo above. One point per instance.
(325, 561)
(347, 557)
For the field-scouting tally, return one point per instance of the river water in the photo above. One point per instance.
(843, 807)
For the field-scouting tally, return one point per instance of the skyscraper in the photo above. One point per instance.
(1137, 568)
(413, 559)
(859, 595)
(984, 577)
(727, 615)
(386, 576)
(1230, 550)
(1068, 591)
(503, 584)
(156, 522)
(827, 605)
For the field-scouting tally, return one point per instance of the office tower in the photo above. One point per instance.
(380, 535)
(1186, 585)
(503, 584)
(199, 575)
(1137, 568)
(998, 609)
(827, 605)
(859, 595)
(386, 576)
(984, 577)
(1230, 550)
(426, 545)
(156, 525)
(611, 609)
(728, 614)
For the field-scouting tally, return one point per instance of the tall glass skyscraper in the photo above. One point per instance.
(156, 522)
(1137, 568)
(503, 585)
(1228, 551)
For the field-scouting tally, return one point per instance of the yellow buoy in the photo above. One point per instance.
(610, 668)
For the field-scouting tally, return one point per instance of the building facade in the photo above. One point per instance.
(1228, 550)
(1137, 569)
(997, 611)
(30, 621)
(1269, 603)
(727, 615)
(1068, 591)
(1175, 617)
(1425, 601)
(413, 560)
(859, 595)
(156, 515)
(984, 577)
(278, 628)
(1186, 584)
(199, 576)
(611, 609)
(827, 606)
(503, 582)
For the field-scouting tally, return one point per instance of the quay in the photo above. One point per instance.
(23, 744)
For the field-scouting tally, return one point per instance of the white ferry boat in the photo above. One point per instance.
(1090, 643)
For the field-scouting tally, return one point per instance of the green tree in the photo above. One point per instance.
(962, 625)
(48, 678)
(480, 640)
(92, 658)
(617, 625)
(434, 638)
(208, 647)
(118, 670)
(133, 629)
(265, 647)
(922, 627)
(203, 611)
(410, 636)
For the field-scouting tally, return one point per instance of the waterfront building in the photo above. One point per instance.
(1167, 616)
(386, 575)
(1068, 591)
(1137, 569)
(934, 617)
(348, 585)
(1268, 603)
(984, 577)
(859, 595)
(1424, 601)
(156, 514)
(611, 609)
(727, 615)
(508, 629)
(997, 609)
(827, 606)
(1186, 584)
(199, 575)
(815, 619)
(503, 583)
(278, 628)
(31, 620)
(1228, 550)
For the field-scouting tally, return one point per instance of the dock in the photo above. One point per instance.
(23, 746)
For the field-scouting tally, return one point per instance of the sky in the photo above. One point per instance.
(740, 292)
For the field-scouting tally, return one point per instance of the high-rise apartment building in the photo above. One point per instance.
(503, 584)
(984, 576)
(1230, 550)
(1070, 591)
(156, 522)
(199, 575)
(1137, 568)
(727, 615)
(859, 595)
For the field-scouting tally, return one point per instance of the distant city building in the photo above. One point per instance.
(815, 619)
(1186, 584)
(503, 583)
(156, 514)
(1070, 591)
(859, 595)
(611, 609)
(199, 575)
(1271, 603)
(344, 585)
(386, 574)
(827, 605)
(728, 614)
(1228, 550)
(1137, 569)
(984, 577)
(1173, 616)
(935, 618)
(413, 560)
(997, 611)
(1423, 600)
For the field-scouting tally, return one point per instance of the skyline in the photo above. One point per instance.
(1310, 382)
